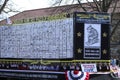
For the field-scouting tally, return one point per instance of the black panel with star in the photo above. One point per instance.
(79, 40)
(105, 42)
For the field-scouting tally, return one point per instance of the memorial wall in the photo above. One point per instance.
(45, 39)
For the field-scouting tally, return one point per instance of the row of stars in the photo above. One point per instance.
(79, 34)
(79, 50)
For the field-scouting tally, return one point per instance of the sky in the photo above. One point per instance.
(31, 4)
(35, 4)
(22, 5)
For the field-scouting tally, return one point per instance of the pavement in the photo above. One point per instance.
(103, 77)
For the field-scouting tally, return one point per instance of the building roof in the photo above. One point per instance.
(46, 11)
(28, 14)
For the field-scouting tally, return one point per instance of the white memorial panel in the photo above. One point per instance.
(46, 39)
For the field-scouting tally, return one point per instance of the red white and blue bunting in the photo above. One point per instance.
(76, 75)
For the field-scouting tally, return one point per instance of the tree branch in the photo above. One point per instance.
(3, 6)
(97, 5)
(81, 6)
(116, 26)
(58, 2)
(114, 6)
(90, 4)
(109, 3)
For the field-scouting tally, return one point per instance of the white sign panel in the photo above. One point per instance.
(92, 41)
(89, 67)
(46, 39)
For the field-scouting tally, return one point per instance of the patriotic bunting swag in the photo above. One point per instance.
(76, 75)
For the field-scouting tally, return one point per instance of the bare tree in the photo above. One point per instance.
(6, 7)
(97, 6)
